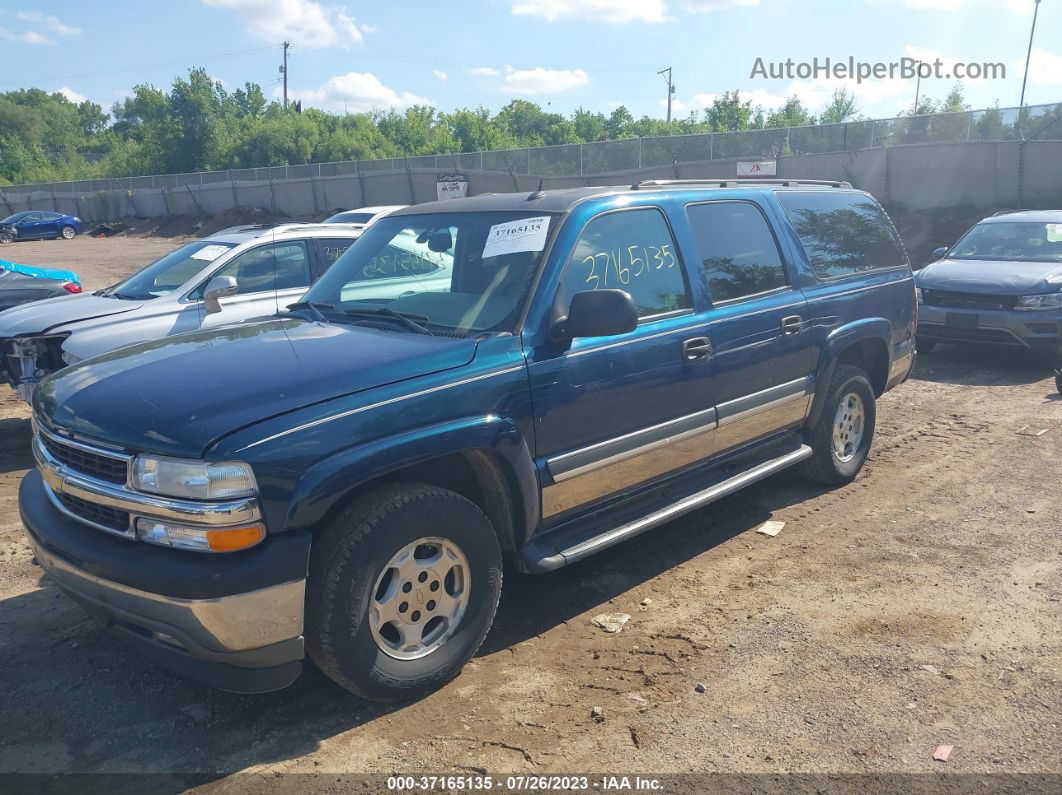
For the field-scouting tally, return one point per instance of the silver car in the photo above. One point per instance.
(234, 275)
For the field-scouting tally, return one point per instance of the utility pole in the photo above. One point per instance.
(284, 73)
(918, 85)
(670, 90)
(1028, 56)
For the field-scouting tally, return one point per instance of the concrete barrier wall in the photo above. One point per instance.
(920, 177)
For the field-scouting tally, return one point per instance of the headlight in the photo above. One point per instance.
(1045, 301)
(918, 294)
(197, 480)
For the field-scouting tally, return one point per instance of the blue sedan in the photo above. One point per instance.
(38, 225)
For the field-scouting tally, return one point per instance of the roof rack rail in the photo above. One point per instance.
(739, 182)
(1009, 212)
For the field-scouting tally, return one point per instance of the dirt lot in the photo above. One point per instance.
(918, 606)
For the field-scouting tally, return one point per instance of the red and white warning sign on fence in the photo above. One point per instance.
(759, 168)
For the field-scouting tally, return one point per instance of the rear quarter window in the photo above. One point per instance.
(843, 233)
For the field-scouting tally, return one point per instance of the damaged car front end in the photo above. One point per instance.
(26, 360)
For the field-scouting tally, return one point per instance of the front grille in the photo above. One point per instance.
(956, 300)
(111, 518)
(95, 465)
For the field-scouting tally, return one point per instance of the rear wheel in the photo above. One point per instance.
(1058, 382)
(68, 232)
(922, 345)
(841, 439)
(402, 591)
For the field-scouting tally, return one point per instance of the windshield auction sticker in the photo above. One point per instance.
(1054, 233)
(527, 234)
(210, 253)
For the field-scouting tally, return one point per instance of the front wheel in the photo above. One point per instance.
(841, 439)
(403, 588)
(1058, 382)
(68, 233)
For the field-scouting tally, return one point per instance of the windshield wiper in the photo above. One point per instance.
(407, 319)
(315, 308)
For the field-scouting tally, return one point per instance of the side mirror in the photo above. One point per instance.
(597, 313)
(216, 288)
(940, 252)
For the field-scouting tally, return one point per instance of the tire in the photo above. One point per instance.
(68, 232)
(1058, 383)
(351, 574)
(922, 345)
(827, 464)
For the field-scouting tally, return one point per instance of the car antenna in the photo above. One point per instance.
(538, 194)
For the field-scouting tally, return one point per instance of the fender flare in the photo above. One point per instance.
(837, 342)
(331, 480)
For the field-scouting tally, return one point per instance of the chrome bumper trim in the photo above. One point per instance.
(240, 622)
(62, 480)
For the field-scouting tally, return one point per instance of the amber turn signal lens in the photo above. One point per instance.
(232, 539)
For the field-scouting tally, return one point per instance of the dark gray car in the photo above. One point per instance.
(1001, 284)
(19, 288)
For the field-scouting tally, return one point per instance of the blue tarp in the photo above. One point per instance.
(40, 273)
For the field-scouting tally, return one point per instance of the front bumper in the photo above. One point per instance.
(234, 623)
(1038, 331)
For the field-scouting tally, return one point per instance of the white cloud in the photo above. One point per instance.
(440, 74)
(1045, 68)
(303, 22)
(544, 81)
(71, 95)
(358, 91)
(935, 5)
(53, 24)
(484, 71)
(708, 6)
(29, 37)
(612, 11)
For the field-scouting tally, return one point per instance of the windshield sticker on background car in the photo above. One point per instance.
(1054, 233)
(210, 253)
(527, 234)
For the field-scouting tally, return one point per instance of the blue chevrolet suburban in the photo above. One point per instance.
(344, 480)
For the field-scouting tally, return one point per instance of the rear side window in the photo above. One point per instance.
(843, 233)
(738, 251)
(331, 248)
(633, 251)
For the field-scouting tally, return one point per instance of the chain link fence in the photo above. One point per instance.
(1039, 122)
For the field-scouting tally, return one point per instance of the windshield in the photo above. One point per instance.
(457, 271)
(11, 219)
(349, 218)
(167, 274)
(1017, 241)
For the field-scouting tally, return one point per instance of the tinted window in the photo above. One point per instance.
(281, 266)
(843, 233)
(349, 218)
(737, 249)
(333, 247)
(631, 250)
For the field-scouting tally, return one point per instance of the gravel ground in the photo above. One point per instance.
(916, 607)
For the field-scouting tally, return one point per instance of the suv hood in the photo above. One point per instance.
(38, 317)
(994, 277)
(178, 395)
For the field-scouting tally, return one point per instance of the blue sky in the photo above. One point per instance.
(596, 54)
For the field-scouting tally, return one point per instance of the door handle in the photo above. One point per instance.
(696, 348)
(793, 324)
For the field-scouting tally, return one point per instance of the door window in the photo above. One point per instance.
(279, 266)
(632, 250)
(332, 248)
(738, 251)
